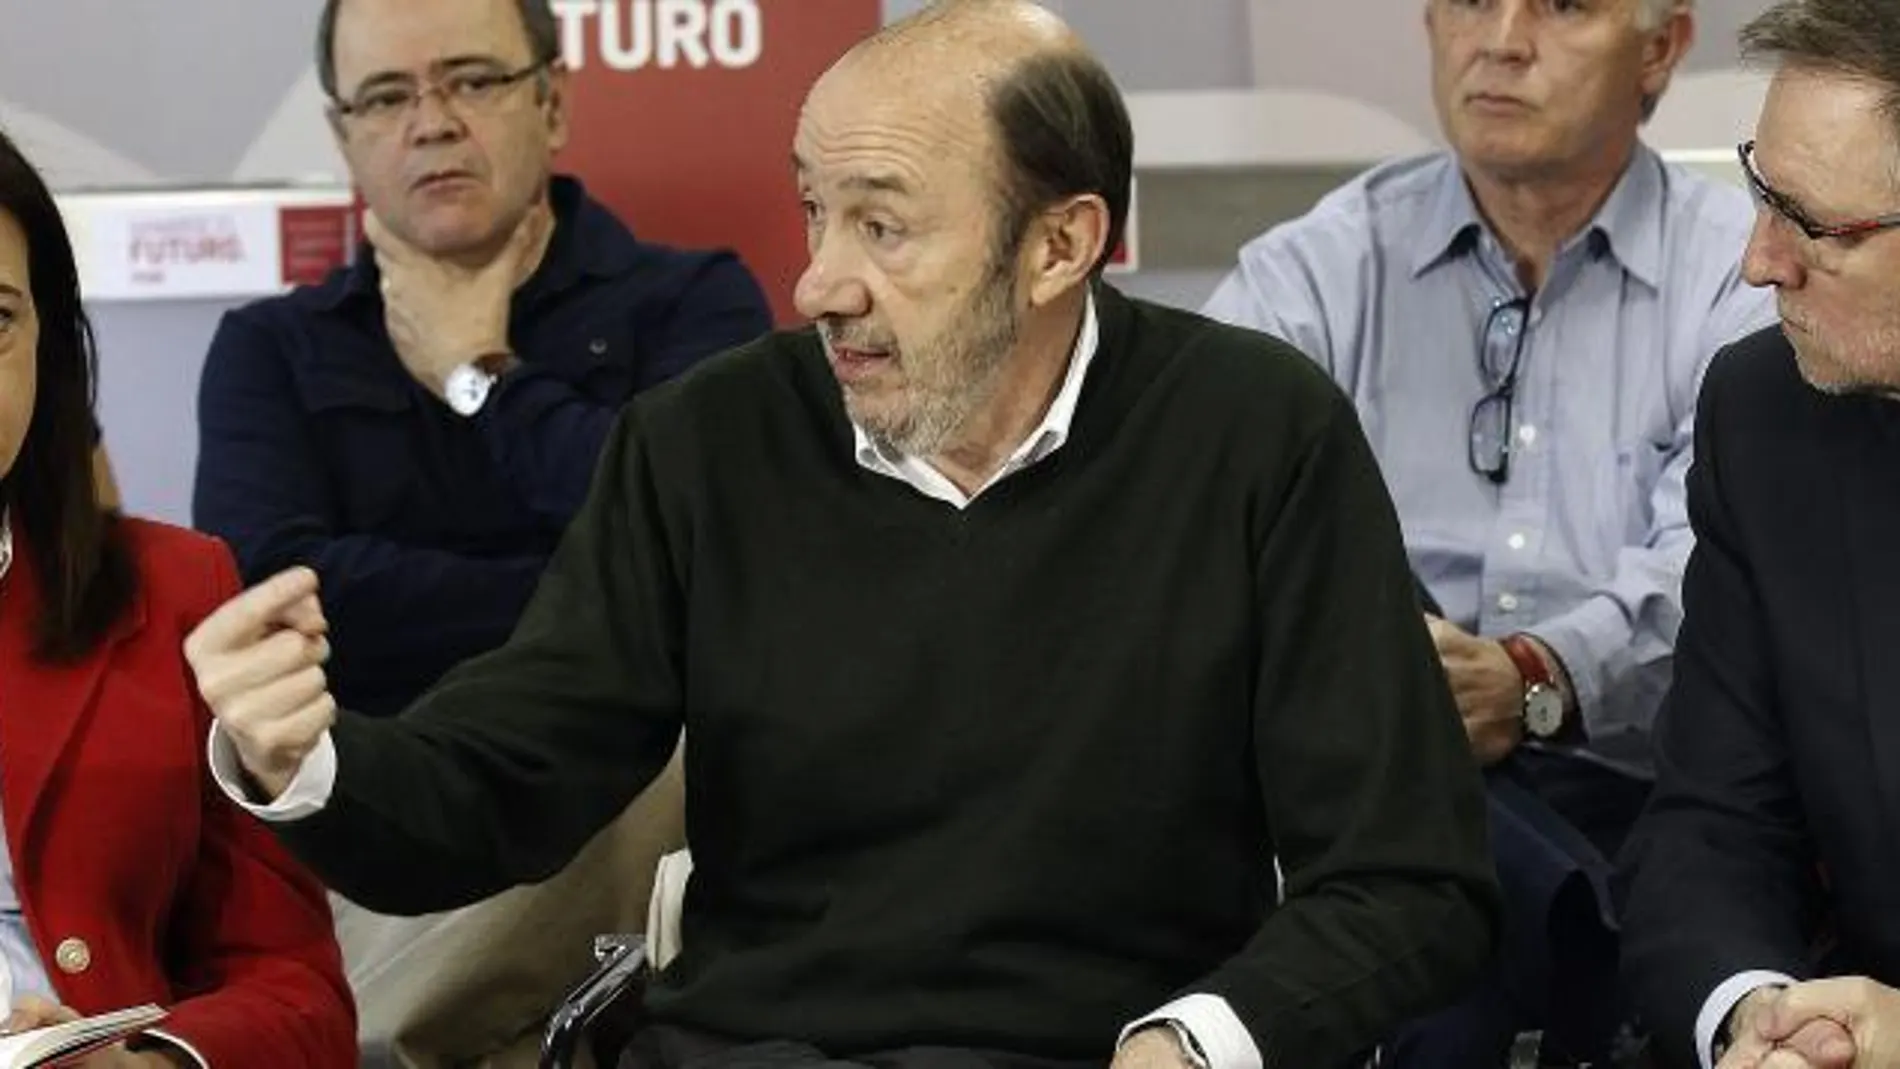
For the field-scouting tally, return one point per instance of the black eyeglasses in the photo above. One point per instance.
(1783, 205)
(1500, 347)
(468, 89)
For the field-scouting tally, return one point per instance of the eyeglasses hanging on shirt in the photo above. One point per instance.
(1500, 348)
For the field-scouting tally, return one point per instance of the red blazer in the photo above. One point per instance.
(140, 881)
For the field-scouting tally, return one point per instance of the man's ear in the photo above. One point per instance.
(1663, 49)
(555, 83)
(1064, 244)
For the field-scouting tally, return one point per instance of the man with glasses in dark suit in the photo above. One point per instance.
(1763, 907)
(1522, 322)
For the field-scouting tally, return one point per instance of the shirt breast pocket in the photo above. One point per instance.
(369, 440)
(600, 364)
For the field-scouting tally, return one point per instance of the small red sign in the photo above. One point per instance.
(315, 241)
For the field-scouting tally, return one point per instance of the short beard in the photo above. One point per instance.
(1876, 373)
(960, 370)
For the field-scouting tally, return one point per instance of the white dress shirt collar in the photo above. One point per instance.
(1048, 436)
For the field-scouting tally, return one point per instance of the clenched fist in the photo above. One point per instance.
(259, 663)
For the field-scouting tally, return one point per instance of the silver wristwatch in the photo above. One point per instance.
(1543, 710)
(1543, 700)
(467, 386)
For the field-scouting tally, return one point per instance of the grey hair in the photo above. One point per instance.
(1858, 39)
(1650, 15)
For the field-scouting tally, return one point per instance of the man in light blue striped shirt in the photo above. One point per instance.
(1523, 324)
(1553, 509)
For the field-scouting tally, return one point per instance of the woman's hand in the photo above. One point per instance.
(31, 1011)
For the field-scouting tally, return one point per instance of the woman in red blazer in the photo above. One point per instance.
(131, 879)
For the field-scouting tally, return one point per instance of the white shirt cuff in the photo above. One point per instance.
(309, 790)
(196, 1058)
(1722, 1000)
(1213, 1024)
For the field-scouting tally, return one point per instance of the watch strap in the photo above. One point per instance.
(497, 363)
(1530, 663)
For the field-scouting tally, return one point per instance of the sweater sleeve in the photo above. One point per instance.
(1390, 908)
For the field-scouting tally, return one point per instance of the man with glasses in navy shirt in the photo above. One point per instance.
(421, 427)
(1523, 323)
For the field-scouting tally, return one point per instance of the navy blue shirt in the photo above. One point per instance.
(428, 529)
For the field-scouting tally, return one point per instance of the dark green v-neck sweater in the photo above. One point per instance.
(1001, 778)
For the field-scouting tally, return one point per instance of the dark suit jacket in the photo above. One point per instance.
(1778, 750)
(140, 882)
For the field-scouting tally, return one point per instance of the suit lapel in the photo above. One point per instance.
(42, 706)
(1871, 515)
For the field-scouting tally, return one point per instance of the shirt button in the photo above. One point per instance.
(598, 346)
(1516, 541)
(1527, 434)
(1507, 602)
(73, 956)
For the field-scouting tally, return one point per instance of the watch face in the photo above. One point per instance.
(1543, 711)
(466, 388)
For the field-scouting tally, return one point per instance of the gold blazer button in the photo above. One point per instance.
(73, 956)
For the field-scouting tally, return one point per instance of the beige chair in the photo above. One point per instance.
(471, 988)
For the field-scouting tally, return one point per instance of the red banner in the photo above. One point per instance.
(684, 111)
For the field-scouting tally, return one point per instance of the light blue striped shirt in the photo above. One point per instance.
(1388, 281)
(24, 973)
